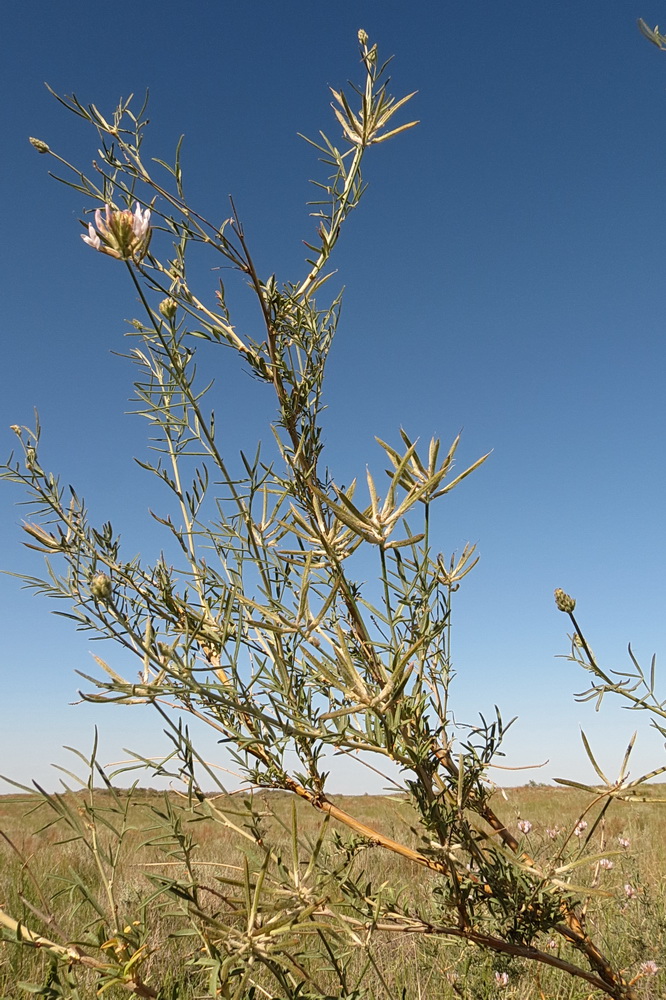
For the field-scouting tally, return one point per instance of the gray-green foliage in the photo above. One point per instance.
(256, 625)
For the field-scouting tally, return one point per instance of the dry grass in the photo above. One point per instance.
(632, 930)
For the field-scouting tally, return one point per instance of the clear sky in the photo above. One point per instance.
(505, 276)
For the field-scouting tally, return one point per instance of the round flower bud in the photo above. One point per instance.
(100, 588)
(40, 146)
(564, 602)
(168, 308)
(363, 36)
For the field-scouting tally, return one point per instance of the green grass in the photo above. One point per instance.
(629, 930)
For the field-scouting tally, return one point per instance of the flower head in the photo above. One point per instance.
(649, 968)
(629, 891)
(624, 842)
(124, 235)
(40, 146)
(168, 308)
(524, 825)
(502, 979)
(606, 863)
(564, 602)
(101, 588)
(580, 827)
(553, 832)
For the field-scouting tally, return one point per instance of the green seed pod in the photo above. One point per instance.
(564, 602)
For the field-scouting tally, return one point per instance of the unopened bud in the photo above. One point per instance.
(40, 146)
(564, 602)
(43, 537)
(362, 37)
(100, 588)
(168, 308)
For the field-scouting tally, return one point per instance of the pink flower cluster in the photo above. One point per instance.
(124, 235)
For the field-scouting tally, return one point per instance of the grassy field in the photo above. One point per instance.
(628, 919)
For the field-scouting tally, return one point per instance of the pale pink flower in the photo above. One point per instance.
(606, 863)
(552, 943)
(92, 239)
(108, 216)
(553, 832)
(124, 235)
(580, 827)
(629, 891)
(649, 968)
(502, 979)
(524, 825)
(141, 223)
(624, 842)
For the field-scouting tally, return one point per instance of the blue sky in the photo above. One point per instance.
(504, 276)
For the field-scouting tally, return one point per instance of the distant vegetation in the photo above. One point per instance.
(633, 927)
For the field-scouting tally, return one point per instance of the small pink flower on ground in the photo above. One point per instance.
(524, 825)
(624, 842)
(502, 979)
(552, 943)
(649, 968)
(606, 863)
(629, 891)
(553, 832)
(580, 827)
